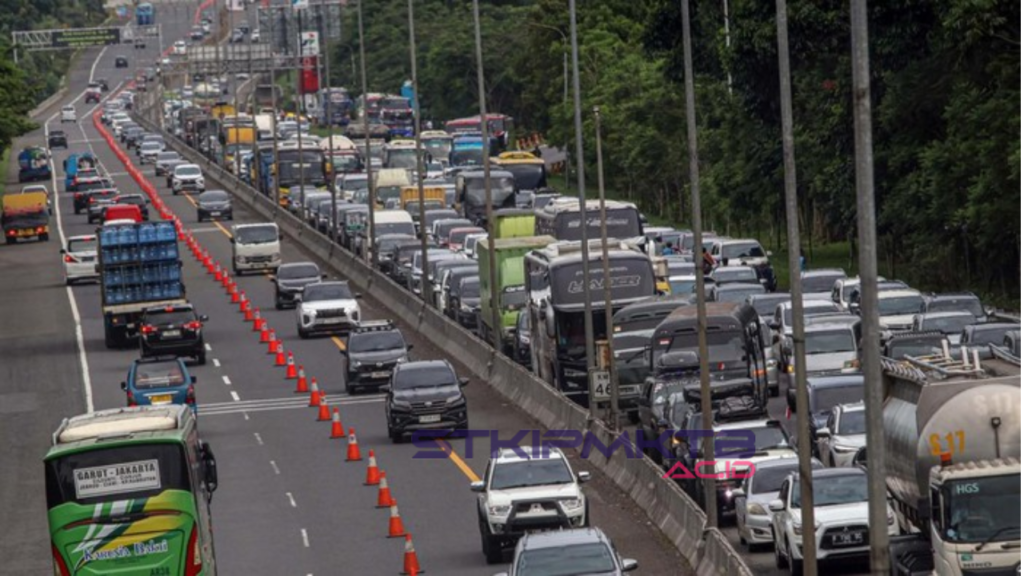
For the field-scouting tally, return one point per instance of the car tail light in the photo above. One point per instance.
(193, 325)
(59, 567)
(40, 229)
(69, 259)
(131, 399)
(12, 232)
(190, 396)
(194, 560)
(78, 195)
(148, 329)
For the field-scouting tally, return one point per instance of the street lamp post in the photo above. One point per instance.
(613, 376)
(372, 201)
(424, 284)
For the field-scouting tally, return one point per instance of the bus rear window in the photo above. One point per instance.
(116, 473)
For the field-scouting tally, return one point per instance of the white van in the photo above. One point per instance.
(255, 247)
(388, 222)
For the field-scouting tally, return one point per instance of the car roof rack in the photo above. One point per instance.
(375, 326)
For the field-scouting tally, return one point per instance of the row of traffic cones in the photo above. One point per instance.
(293, 371)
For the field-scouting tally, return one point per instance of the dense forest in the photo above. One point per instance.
(37, 75)
(945, 85)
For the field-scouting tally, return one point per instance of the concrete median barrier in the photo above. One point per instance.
(664, 503)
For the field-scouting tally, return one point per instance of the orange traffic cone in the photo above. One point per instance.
(247, 309)
(372, 472)
(325, 414)
(279, 359)
(225, 280)
(290, 373)
(243, 304)
(272, 343)
(411, 566)
(264, 335)
(395, 528)
(314, 394)
(236, 298)
(218, 275)
(384, 498)
(337, 430)
(257, 320)
(301, 387)
(353, 447)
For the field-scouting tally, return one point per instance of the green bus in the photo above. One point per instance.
(128, 492)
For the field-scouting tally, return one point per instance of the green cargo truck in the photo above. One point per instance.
(508, 260)
(513, 223)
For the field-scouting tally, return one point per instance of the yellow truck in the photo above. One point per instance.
(430, 193)
(25, 216)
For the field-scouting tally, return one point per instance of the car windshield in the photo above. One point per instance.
(89, 245)
(766, 306)
(972, 305)
(571, 560)
(722, 346)
(325, 292)
(258, 235)
(852, 422)
(819, 282)
(214, 196)
(735, 274)
(824, 399)
(769, 480)
(742, 250)
(187, 171)
(297, 271)
(424, 377)
(737, 294)
(830, 342)
(165, 156)
(152, 146)
(900, 305)
(836, 490)
(525, 473)
(765, 438)
(158, 375)
(810, 308)
(471, 289)
(376, 341)
(985, 336)
(162, 318)
(947, 324)
(982, 509)
(687, 286)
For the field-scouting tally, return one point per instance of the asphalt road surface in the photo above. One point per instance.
(287, 502)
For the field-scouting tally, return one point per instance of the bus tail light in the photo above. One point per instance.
(59, 567)
(194, 560)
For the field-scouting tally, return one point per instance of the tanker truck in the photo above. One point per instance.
(952, 465)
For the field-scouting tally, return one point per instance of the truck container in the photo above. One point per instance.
(139, 268)
(509, 274)
(25, 216)
(952, 465)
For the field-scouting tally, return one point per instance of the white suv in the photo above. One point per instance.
(327, 307)
(840, 517)
(527, 489)
(68, 114)
(187, 177)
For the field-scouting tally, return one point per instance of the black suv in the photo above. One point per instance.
(174, 330)
(371, 352)
(58, 139)
(120, 62)
(425, 395)
(291, 279)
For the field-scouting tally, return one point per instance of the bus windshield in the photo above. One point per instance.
(136, 470)
(527, 176)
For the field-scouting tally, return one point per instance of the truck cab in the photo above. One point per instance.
(255, 247)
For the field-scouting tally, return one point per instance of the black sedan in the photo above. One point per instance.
(58, 139)
(214, 205)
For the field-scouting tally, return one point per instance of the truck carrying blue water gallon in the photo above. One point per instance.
(139, 267)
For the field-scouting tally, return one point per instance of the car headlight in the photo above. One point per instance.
(466, 309)
(357, 364)
(400, 405)
(572, 505)
(455, 401)
(798, 529)
(756, 509)
(499, 510)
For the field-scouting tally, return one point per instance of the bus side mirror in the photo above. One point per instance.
(209, 467)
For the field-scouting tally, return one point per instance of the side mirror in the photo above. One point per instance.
(358, 295)
(768, 253)
(124, 386)
(192, 379)
(209, 466)
(343, 351)
(280, 237)
(323, 276)
(628, 564)
(408, 347)
(204, 318)
(63, 251)
(822, 433)
(776, 505)
(463, 381)
(583, 476)
(232, 239)
(477, 486)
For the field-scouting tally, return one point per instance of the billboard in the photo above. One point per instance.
(75, 38)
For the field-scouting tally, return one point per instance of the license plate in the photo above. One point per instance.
(172, 333)
(214, 213)
(429, 419)
(384, 374)
(161, 399)
(847, 539)
(629, 389)
(332, 320)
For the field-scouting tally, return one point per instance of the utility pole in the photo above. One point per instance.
(588, 313)
(298, 102)
(878, 534)
(332, 181)
(485, 133)
(425, 286)
(803, 412)
(707, 443)
(613, 416)
(366, 131)
(276, 192)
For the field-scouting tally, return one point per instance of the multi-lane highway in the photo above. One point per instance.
(287, 503)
